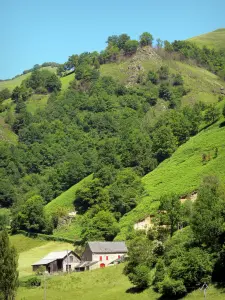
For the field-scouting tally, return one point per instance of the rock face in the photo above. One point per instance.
(135, 68)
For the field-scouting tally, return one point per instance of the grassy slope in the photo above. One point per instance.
(66, 81)
(31, 250)
(11, 84)
(23, 243)
(214, 39)
(108, 283)
(6, 134)
(204, 85)
(181, 173)
(65, 200)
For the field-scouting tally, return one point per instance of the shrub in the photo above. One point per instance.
(33, 282)
(40, 270)
(41, 90)
(178, 80)
(172, 288)
(5, 94)
(140, 276)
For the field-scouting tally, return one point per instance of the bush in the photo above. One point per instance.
(33, 282)
(172, 288)
(5, 94)
(193, 267)
(140, 276)
(153, 77)
(178, 80)
(40, 270)
(41, 90)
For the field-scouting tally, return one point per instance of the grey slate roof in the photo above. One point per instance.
(52, 256)
(108, 247)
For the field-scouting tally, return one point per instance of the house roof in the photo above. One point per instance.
(52, 256)
(108, 247)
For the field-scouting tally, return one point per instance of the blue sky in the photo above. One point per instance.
(37, 31)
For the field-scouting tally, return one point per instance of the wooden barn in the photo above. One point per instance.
(61, 261)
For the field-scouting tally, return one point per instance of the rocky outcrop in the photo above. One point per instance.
(135, 68)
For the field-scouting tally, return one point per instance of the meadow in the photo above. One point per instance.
(108, 283)
(214, 39)
(31, 250)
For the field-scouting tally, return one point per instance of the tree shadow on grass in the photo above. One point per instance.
(222, 124)
(135, 290)
(171, 298)
(220, 285)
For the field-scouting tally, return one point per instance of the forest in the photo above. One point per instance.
(102, 127)
(98, 126)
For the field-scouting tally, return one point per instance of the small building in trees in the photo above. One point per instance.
(104, 253)
(144, 224)
(60, 261)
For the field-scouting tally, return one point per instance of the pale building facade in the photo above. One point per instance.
(144, 224)
(60, 261)
(104, 253)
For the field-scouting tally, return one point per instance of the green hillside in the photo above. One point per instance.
(214, 39)
(108, 283)
(181, 173)
(65, 200)
(203, 85)
(12, 83)
(33, 103)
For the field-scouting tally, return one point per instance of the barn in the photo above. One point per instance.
(60, 261)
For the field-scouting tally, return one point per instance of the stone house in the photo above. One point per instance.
(61, 261)
(144, 224)
(104, 253)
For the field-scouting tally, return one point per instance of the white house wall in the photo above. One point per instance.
(111, 257)
(73, 264)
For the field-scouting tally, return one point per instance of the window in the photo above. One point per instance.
(100, 258)
(71, 259)
(68, 268)
(107, 258)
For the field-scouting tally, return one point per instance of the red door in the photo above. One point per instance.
(102, 265)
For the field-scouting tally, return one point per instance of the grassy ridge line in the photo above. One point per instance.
(65, 200)
(108, 283)
(12, 83)
(214, 39)
(181, 173)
